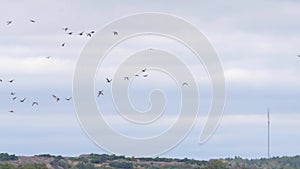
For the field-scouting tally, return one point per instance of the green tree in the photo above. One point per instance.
(123, 165)
(7, 157)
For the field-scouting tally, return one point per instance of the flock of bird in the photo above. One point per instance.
(141, 73)
(14, 97)
(66, 30)
(10, 21)
(63, 44)
(56, 98)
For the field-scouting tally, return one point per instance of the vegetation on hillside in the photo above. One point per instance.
(101, 161)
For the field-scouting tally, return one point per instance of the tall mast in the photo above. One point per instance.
(268, 132)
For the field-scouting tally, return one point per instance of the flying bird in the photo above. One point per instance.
(0, 80)
(144, 70)
(70, 33)
(185, 84)
(115, 33)
(108, 80)
(63, 44)
(89, 34)
(298, 55)
(23, 100)
(10, 81)
(100, 92)
(11, 111)
(65, 29)
(8, 22)
(145, 75)
(48, 57)
(81, 33)
(34, 103)
(126, 78)
(68, 99)
(12, 93)
(14, 98)
(32, 21)
(56, 98)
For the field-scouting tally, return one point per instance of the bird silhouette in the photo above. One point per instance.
(32, 21)
(56, 98)
(144, 70)
(11, 111)
(81, 33)
(23, 100)
(70, 33)
(8, 22)
(108, 80)
(0, 80)
(48, 57)
(14, 98)
(145, 75)
(100, 92)
(63, 44)
(89, 34)
(11, 81)
(34, 103)
(12, 93)
(126, 78)
(298, 55)
(65, 29)
(115, 33)
(68, 99)
(185, 84)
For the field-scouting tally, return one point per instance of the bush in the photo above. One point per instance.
(7, 157)
(85, 166)
(45, 155)
(216, 164)
(33, 166)
(28, 166)
(123, 165)
(7, 166)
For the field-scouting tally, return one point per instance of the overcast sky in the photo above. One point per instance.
(257, 43)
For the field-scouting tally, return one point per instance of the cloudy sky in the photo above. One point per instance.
(257, 43)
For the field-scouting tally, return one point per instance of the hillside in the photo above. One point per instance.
(95, 161)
